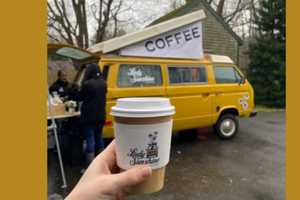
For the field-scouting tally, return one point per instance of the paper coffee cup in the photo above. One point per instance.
(143, 130)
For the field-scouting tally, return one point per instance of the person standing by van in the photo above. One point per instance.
(61, 85)
(93, 97)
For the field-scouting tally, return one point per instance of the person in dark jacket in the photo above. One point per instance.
(60, 85)
(93, 97)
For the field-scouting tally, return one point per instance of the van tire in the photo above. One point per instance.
(227, 126)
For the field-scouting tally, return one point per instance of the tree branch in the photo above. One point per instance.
(209, 1)
(115, 17)
(59, 18)
(220, 7)
(238, 9)
(102, 27)
(53, 37)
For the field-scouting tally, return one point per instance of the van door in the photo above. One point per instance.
(189, 92)
(138, 80)
(228, 89)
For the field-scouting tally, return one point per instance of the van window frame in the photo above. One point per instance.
(188, 66)
(227, 66)
(105, 71)
(143, 86)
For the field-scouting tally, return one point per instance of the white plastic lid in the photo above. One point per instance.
(143, 107)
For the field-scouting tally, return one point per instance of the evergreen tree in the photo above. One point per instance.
(267, 54)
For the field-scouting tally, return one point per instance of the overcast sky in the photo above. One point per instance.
(143, 12)
(135, 14)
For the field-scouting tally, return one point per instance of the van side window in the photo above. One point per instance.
(226, 75)
(193, 74)
(139, 75)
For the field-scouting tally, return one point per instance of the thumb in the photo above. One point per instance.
(132, 176)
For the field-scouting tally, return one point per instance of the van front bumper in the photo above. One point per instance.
(253, 113)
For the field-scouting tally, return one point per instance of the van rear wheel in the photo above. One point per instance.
(227, 126)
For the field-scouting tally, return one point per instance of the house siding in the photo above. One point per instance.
(216, 39)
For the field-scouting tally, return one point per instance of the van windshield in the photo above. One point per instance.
(226, 74)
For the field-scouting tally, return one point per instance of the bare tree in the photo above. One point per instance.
(237, 13)
(117, 24)
(85, 22)
(253, 15)
(68, 21)
(115, 18)
(223, 6)
(174, 4)
(237, 10)
(220, 7)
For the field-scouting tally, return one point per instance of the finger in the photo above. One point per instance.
(122, 195)
(131, 177)
(108, 156)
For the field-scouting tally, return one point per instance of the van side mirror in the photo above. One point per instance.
(242, 80)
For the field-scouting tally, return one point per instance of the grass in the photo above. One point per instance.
(261, 108)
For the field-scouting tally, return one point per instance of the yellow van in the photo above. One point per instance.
(207, 92)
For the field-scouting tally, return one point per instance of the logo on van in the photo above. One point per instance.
(244, 101)
(148, 155)
(136, 76)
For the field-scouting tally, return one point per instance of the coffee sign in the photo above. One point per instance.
(184, 42)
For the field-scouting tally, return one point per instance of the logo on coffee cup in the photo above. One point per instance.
(148, 155)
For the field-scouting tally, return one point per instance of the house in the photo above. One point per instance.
(218, 37)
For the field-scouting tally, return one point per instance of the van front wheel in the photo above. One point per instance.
(227, 126)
